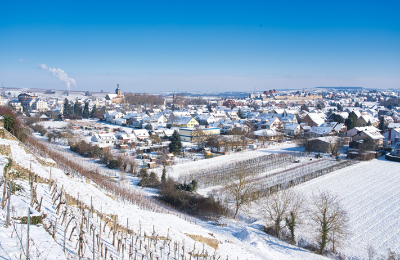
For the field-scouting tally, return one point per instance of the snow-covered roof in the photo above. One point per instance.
(316, 118)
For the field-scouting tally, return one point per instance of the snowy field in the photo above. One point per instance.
(370, 191)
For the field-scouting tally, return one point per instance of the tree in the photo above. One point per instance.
(199, 137)
(335, 143)
(77, 108)
(213, 142)
(155, 139)
(8, 122)
(240, 114)
(337, 118)
(51, 136)
(382, 125)
(283, 206)
(240, 189)
(307, 143)
(93, 112)
(357, 104)
(304, 108)
(351, 121)
(85, 113)
(330, 219)
(164, 175)
(67, 108)
(176, 145)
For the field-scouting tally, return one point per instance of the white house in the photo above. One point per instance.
(110, 115)
(292, 129)
(103, 140)
(128, 138)
(141, 134)
(119, 121)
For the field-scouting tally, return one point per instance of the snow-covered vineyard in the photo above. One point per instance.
(91, 212)
(80, 218)
(370, 193)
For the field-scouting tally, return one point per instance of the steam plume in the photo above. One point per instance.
(59, 73)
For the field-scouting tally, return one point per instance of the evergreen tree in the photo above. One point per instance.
(304, 108)
(85, 113)
(337, 118)
(164, 175)
(240, 114)
(382, 125)
(93, 112)
(8, 122)
(67, 108)
(77, 108)
(176, 145)
(351, 121)
(369, 123)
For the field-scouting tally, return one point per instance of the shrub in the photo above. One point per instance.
(177, 196)
(114, 164)
(13, 124)
(149, 181)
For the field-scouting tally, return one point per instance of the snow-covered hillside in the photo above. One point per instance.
(236, 240)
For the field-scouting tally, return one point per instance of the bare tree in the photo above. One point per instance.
(283, 206)
(335, 144)
(307, 143)
(199, 137)
(330, 218)
(371, 252)
(240, 189)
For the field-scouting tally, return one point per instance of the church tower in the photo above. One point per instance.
(118, 91)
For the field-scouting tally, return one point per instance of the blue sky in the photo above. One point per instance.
(153, 46)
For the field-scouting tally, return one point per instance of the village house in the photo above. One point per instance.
(111, 115)
(292, 129)
(363, 120)
(205, 119)
(103, 140)
(193, 134)
(141, 134)
(313, 119)
(127, 138)
(360, 133)
(183, 121)
(323, 144)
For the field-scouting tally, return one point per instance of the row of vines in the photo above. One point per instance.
(227, 173)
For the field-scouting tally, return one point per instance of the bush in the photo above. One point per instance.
(151, 181)
(114, 164)
(189, 202)
(388, 149)
(13, 124)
